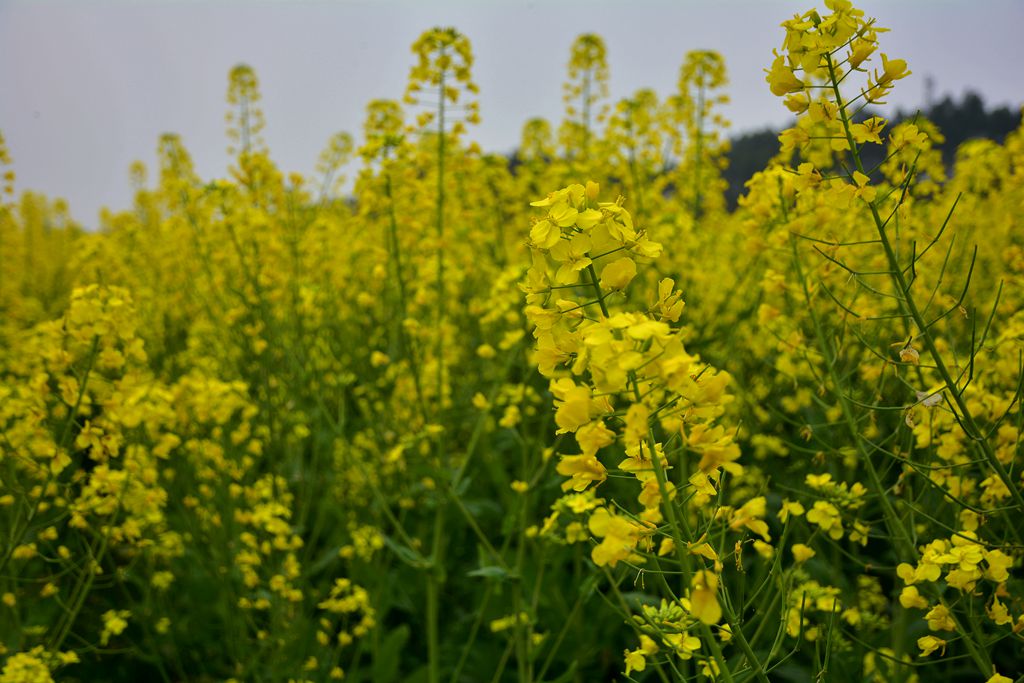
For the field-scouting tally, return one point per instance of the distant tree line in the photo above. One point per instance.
(958, 121)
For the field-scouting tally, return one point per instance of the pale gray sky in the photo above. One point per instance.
(87, 87)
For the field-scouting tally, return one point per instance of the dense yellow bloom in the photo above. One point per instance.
(25, 667)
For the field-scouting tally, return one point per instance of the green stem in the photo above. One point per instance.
(893, 521)
(435, 577)
(904, 547)
(967, 421)
(585, 100)
(440, 242)
(698, 151)
(396, 255)
(433, 648)
(474, 630)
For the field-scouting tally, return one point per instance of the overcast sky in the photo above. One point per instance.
(87, 87)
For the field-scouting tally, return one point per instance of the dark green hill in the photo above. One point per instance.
(959, 120)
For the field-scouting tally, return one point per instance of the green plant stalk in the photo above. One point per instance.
(974, 433)
(698, 153)
(634, 171)
(474, 630)
(905, 546)
(396, 257)
(440, 244)
(585, 97)
(967, 422)
(569, 621)
(500, 669)
(435, 577)
(893, 522)
(518, 638)
(433, 647)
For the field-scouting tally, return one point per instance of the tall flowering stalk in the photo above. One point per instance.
(824, 57)
(443, 72)
(585, 95)
(624, 384)
(697, 127)
(635, 147)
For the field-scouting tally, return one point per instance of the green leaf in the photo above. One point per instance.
(565, 677)
(589, 586)
(406, 554)
(387, 658)
(493, 572)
